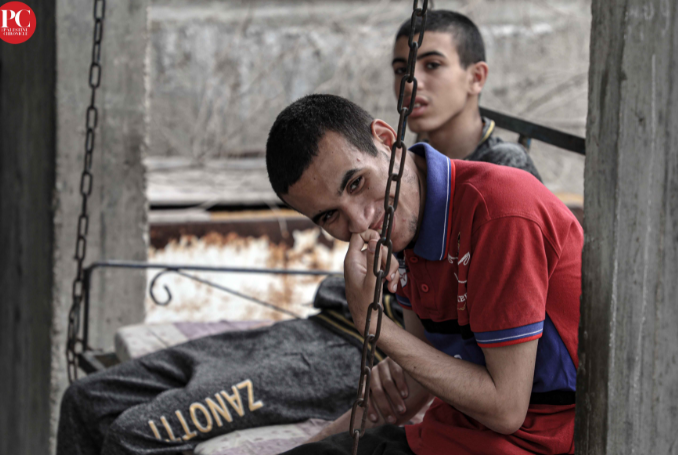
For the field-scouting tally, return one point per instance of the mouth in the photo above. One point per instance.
(377, 225)
(419, 107)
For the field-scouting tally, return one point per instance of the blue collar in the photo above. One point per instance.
(432, 240)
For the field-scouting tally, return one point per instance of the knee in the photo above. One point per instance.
(74, 396)
(131, 434)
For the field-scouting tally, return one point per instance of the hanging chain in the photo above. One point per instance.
(75, 345)
(370, 343)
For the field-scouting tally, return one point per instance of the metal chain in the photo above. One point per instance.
(370, 339)
(75, 345)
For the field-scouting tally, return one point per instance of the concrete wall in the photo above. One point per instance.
(43, 99)
(27, 175)
(627, 386)
(221, 71)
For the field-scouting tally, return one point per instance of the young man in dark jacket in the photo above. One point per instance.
(451, 73)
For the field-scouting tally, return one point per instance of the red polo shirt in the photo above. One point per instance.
(497, 262)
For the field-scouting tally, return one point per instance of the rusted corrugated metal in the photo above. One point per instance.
(307, 249)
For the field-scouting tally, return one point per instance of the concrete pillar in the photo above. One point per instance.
(628, 341)
(44, 94)
(27, 176)
(118, 213)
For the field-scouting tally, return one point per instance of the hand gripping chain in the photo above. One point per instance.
(74, 345)
(370, 343)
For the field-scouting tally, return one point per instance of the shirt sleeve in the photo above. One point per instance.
(507, 282)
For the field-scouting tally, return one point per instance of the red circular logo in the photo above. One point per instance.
(17, 22)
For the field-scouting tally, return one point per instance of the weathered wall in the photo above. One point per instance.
(27, 174)
(627, 386)
(117, 228)
(220, 72)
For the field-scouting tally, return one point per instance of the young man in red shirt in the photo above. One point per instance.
(488, 268)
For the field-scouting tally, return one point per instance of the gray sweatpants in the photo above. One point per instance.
(169, 401)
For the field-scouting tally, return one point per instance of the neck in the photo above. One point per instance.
(459, 136)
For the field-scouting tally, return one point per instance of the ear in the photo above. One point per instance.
(477, 77)
(382, 133)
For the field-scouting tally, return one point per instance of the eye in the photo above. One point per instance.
(328, 217)
(432, 65)
(355, 185)
(399, 71)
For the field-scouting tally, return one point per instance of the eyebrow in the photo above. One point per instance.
(419, 57)
(348, 175)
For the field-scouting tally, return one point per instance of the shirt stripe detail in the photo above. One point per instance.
(511, 342)
(447, 210)
(496, 340)
(509, 335)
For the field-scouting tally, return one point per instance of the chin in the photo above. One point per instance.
(423, 126)
(415, 126)
(399, 245)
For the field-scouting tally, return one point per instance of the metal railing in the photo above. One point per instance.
(90, 360)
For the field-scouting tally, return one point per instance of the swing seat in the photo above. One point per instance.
(270, 440)
(134, 341)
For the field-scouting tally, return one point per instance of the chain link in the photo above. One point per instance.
(370, 343)
(74, 344)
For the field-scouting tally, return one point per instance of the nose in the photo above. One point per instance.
(420, 73)
(359, 217)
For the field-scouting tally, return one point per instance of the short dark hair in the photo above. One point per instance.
(467, 37)
(293, 139)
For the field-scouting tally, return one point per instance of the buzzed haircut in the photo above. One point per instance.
(293, 139)
(467, 37)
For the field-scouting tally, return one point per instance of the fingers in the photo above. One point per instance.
(393, 275)
(385, 397)
(379, 400)
(371, 238)
(371, 409)
(354, 253)
(398, 376)
(392, 391)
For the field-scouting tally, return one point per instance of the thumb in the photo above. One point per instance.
(355, 247)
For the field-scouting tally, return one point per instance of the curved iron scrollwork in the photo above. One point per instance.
(211, 284)
(79, 317)
(152, 285)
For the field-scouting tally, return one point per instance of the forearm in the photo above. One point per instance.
(468, 387)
